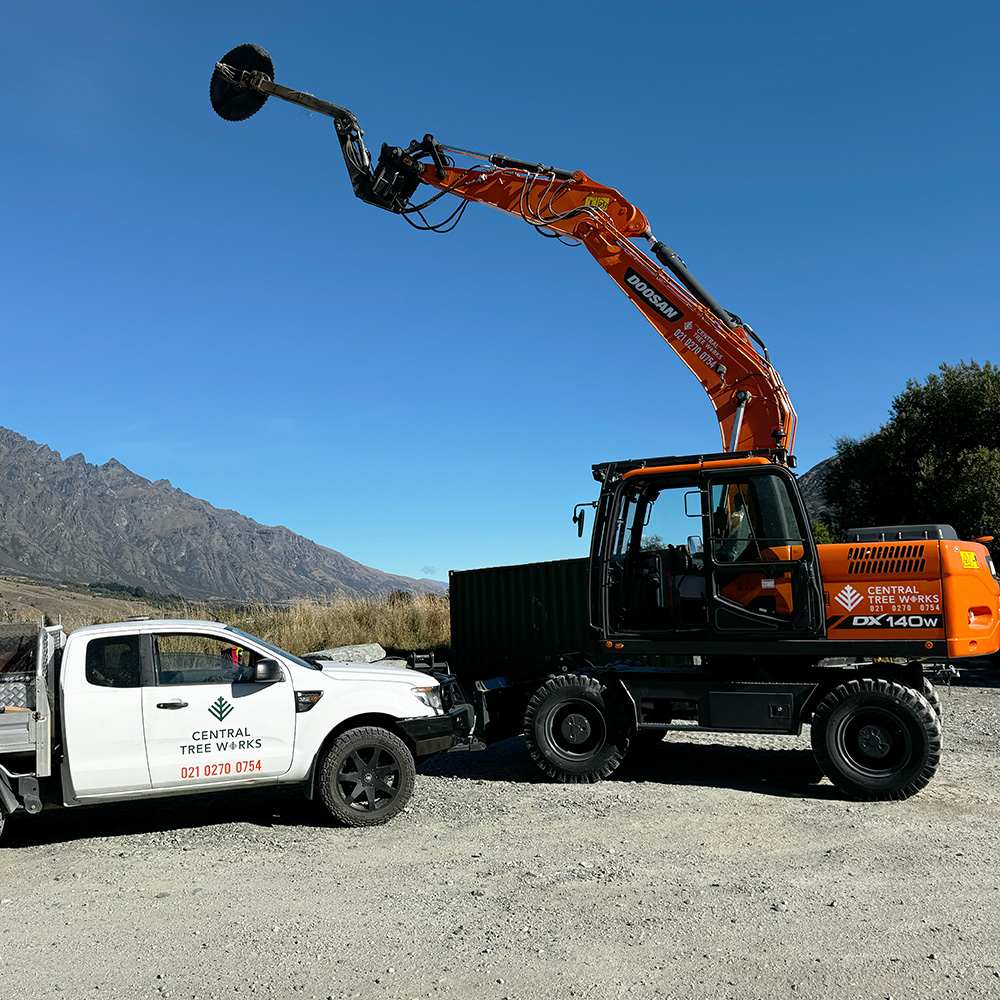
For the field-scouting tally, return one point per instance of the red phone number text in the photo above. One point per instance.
(220, 770)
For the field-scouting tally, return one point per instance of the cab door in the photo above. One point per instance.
(102, 718)
(652, 576)
(206, 720)
(761, 561)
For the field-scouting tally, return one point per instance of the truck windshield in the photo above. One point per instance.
(274, 649)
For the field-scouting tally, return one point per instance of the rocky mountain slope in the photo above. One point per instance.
(812, 485)
(70, 520)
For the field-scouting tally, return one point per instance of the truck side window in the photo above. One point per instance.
(113, 662)
(201, 659)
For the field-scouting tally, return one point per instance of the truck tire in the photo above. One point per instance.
(366, 777)
(573, 730)
(876, 739)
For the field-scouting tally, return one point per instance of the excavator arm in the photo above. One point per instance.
(750, 401)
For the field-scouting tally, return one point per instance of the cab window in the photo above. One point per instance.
(113, 662)
(656, 565)
(756, 542)
(201, 659)
(750, 518)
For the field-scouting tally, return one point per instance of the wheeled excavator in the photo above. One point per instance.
(761, 629)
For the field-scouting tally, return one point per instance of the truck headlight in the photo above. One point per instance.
(431, 697)
(304, 700)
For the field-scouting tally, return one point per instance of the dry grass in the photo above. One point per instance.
(24, 600)
(397, 624)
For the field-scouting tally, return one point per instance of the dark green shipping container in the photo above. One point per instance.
(516, 621)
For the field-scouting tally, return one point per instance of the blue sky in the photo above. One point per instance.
(207, 302)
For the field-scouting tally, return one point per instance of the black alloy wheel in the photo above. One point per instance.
(367, 777)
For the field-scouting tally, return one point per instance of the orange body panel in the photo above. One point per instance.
(748, 588)
(929, 589)
(971, 600)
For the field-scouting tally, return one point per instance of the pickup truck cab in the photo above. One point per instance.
(141, 709)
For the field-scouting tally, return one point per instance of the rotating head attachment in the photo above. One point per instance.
(232, 99)
(244, 79)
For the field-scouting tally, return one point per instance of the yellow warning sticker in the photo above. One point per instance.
(592, 201)
(969, 560)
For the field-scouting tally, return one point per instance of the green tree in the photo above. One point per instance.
(822, 533)
(936, 460)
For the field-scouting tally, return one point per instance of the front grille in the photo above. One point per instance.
(866, 560)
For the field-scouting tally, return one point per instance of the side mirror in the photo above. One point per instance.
(268, 672)
(695, 546)
(578, 517)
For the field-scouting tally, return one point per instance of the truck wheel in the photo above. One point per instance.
(875, 739)
(573, 732)
(366, 777)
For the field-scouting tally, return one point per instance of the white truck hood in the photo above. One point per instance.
(386, 671)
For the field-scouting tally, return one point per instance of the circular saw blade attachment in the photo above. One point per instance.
(232, 101)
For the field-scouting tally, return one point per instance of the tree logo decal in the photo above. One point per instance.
(848, 598)
(220, 708)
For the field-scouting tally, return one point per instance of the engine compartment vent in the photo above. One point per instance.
(865, 560)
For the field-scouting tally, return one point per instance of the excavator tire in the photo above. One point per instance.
(933, 698)
(876, 739)
(574, 730)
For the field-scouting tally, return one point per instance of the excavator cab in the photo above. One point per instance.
(756, 576)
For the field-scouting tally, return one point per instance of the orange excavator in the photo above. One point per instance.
(745, 626)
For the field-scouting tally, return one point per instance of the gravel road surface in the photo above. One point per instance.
(710, 869)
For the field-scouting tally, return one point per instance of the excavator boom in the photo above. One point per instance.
(751, 404)
(750, 401)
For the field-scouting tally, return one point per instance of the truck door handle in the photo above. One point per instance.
(177, 703)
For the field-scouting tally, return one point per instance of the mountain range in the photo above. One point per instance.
(65, 520)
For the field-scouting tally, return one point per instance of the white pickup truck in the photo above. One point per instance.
(143, 708)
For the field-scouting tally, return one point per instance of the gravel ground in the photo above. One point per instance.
(710, 869)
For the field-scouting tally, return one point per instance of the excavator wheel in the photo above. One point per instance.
(238, 103)
(876, 739)
(574, 730)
